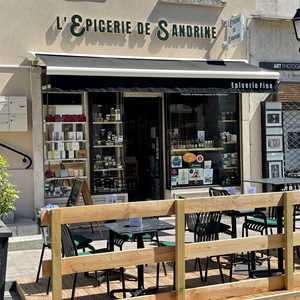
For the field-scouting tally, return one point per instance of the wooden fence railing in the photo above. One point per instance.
(58, 266)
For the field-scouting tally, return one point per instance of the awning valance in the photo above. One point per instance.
(165, 75)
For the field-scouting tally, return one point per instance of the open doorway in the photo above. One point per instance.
(143, 140)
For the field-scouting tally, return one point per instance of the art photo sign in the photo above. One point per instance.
(163, 30)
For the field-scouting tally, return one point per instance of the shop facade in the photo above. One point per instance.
(279, 113)
(140, 107)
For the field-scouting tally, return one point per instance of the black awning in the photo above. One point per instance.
(156, 75)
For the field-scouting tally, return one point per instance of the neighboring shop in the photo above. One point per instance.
(141, 108)
(280, 113)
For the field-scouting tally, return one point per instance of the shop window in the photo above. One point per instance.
(203, 140)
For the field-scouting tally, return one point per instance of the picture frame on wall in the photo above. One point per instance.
(274, 143)
(275, 169)
(273, 118)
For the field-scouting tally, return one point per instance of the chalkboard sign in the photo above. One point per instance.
(75, 192)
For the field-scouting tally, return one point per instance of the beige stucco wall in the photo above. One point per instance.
(29, 25)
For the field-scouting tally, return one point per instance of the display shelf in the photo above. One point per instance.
(107, 129)
(68, 123)
(230, 168)
(109, 170)
(65, 141)
(229, 143)
(198, 149)
(107, 146)
(107, 123)
(65, 178)
(66, 159)
(228, 121)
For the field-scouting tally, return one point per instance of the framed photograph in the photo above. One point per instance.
(273, 118)
(274, 143)
(275, 169)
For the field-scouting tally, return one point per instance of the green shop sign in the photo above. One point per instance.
(163, 29)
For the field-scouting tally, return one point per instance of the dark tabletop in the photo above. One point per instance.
(275, 181)
(148, 226)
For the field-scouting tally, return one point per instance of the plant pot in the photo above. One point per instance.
(5, 233)
(9, 218)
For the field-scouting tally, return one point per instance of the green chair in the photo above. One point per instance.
(69, 249)
(80, 242)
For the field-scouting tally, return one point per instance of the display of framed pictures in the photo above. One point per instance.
(275, 169)
(274, 143)
(273, 118)
(272, 140)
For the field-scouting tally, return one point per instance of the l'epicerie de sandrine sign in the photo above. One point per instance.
(163, 30)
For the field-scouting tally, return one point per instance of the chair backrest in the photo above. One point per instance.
(68, 245)
(208, 226)
(218, 192)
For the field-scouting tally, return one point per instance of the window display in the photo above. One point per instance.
(65, 142)
(107, 144)
(203, 137)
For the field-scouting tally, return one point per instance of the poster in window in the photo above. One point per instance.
(195, 175)
(176, 161)
(273, 118)
(208, 176)
(183, 177)
(274, 143)
(275, 169)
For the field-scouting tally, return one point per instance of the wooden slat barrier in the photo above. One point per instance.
(58, 266)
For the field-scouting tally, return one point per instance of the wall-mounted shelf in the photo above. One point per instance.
(228, 121)
(107, 123)
(198, 149)
(108, 146)
(109, 170)
(67, 123)
(65, 178)
(65, 159)
(229, 143)
(66, 141)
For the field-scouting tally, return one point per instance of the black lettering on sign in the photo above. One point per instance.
(162, 32)
(76, 27)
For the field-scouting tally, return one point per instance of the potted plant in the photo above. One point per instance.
(8, 196)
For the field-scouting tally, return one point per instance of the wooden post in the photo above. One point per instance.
(56, 254)
(180, 250)
(288, 242)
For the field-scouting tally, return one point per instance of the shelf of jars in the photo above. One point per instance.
(107, 152)
(66, 143)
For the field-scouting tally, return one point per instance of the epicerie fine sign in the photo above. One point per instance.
(164, 31)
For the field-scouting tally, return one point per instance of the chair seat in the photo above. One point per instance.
(80, 241)
(97, 251)
(167, 244)
(270, 222)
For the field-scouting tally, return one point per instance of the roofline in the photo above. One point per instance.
(36, 53)
(270, 18)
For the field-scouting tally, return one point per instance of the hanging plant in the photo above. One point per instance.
(8, 192)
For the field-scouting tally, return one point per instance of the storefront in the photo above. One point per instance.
(142, 107)
(145, 128)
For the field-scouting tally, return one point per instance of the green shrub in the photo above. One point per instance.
(8, 192)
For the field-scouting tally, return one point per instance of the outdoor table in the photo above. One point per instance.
(277, 185)
(149, 226)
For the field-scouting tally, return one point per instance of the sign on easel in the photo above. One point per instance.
(80, 187)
